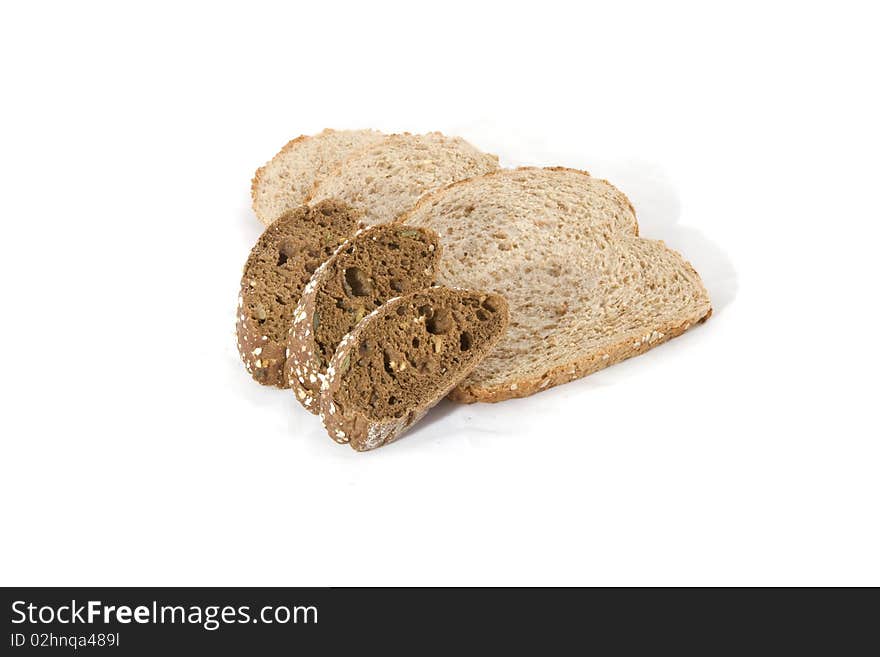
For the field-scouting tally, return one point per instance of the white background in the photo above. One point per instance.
(136, 450)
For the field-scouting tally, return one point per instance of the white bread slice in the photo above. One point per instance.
(386, 178)
(285, 181)
(563, 248)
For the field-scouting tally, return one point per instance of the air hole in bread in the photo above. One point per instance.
(357, 282)
(439, 322)
(464, 341)
(398, 285)
(282, 258)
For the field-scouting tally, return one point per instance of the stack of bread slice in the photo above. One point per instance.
(469, 281)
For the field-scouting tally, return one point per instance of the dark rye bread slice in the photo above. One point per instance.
(404, 358)
(379, 263)
(278, 268)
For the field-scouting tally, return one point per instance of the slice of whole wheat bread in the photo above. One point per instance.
(277, 269)
(386, 178)
(404, 358)
(377, 264)
(563, 248)
(285, 181)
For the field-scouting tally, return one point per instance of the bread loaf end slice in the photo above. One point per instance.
(404, 358)
(285, 181)
(277, 270)
(377, 264)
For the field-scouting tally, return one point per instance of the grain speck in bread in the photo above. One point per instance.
(386, 178)
(403, 358)
(379, 263)
(585, 291)
(285, 181)
(278, 268)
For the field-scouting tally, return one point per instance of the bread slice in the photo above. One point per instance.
(404, 358)
(563, 248)
(278, 268)
(386, 178)
(285, 181)
(379, 263)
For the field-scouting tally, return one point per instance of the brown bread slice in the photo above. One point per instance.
(404, 358)
(278, 268)
(377, 264)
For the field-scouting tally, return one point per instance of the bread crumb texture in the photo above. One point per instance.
(585, 291)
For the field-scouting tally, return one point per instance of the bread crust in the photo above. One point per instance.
(263, 358)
